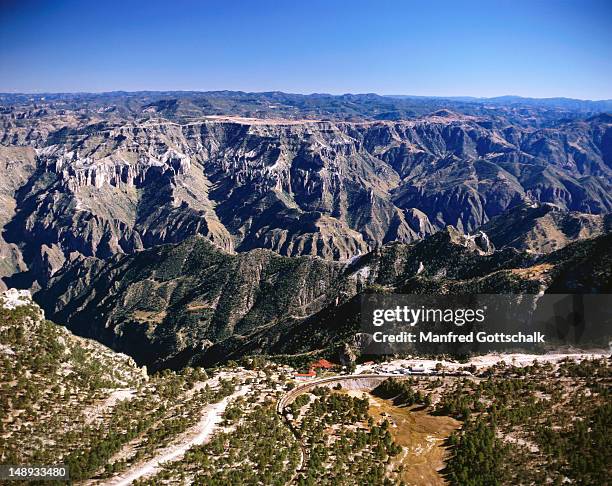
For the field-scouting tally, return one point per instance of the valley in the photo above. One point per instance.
(193, 236)
(185, 276)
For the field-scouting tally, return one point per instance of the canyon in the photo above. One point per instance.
(177, 235)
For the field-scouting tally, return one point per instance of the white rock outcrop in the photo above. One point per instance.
(13, 298)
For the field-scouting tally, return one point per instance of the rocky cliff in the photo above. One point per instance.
(191, 302)
(541, 228)
(204, 226)
(332, 189)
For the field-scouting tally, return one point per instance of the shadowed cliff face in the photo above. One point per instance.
(193, 303)
(332, 189)
(541, 228)
(17, 165)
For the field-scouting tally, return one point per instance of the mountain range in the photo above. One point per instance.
(189, 227)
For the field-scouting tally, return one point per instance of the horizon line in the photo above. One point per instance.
(314, 93)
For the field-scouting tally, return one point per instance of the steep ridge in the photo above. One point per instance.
(16, 166)
(334, 189)
(544, 227)
(193, 303)
(159, 301)
(582, 267)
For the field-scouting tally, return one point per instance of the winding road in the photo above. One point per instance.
(291, 395)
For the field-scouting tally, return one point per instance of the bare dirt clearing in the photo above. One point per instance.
(421, 436)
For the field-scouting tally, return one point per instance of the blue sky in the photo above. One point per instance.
(440, 48)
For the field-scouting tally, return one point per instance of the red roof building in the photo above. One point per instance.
(305, 376)
(322, 363)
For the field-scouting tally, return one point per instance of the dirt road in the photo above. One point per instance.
(197, 435)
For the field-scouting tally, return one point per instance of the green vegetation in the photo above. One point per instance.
(533, 425)
(71, 400)
(298, 403)
(65, 399)
(49, 379)
(478, 456)
(344, 444)
(250, 454)
(402, 392)
(138, 418)
(521, 425)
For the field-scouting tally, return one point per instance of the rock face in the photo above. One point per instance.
(105, 186)
(210, 225)
(13, 298)
(191, 303)
(541, 228)
(17, 164)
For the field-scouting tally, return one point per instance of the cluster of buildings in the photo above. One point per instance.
(317, 366)
(416, 367)
(410, 369)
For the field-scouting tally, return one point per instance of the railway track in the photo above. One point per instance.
(369, 381)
